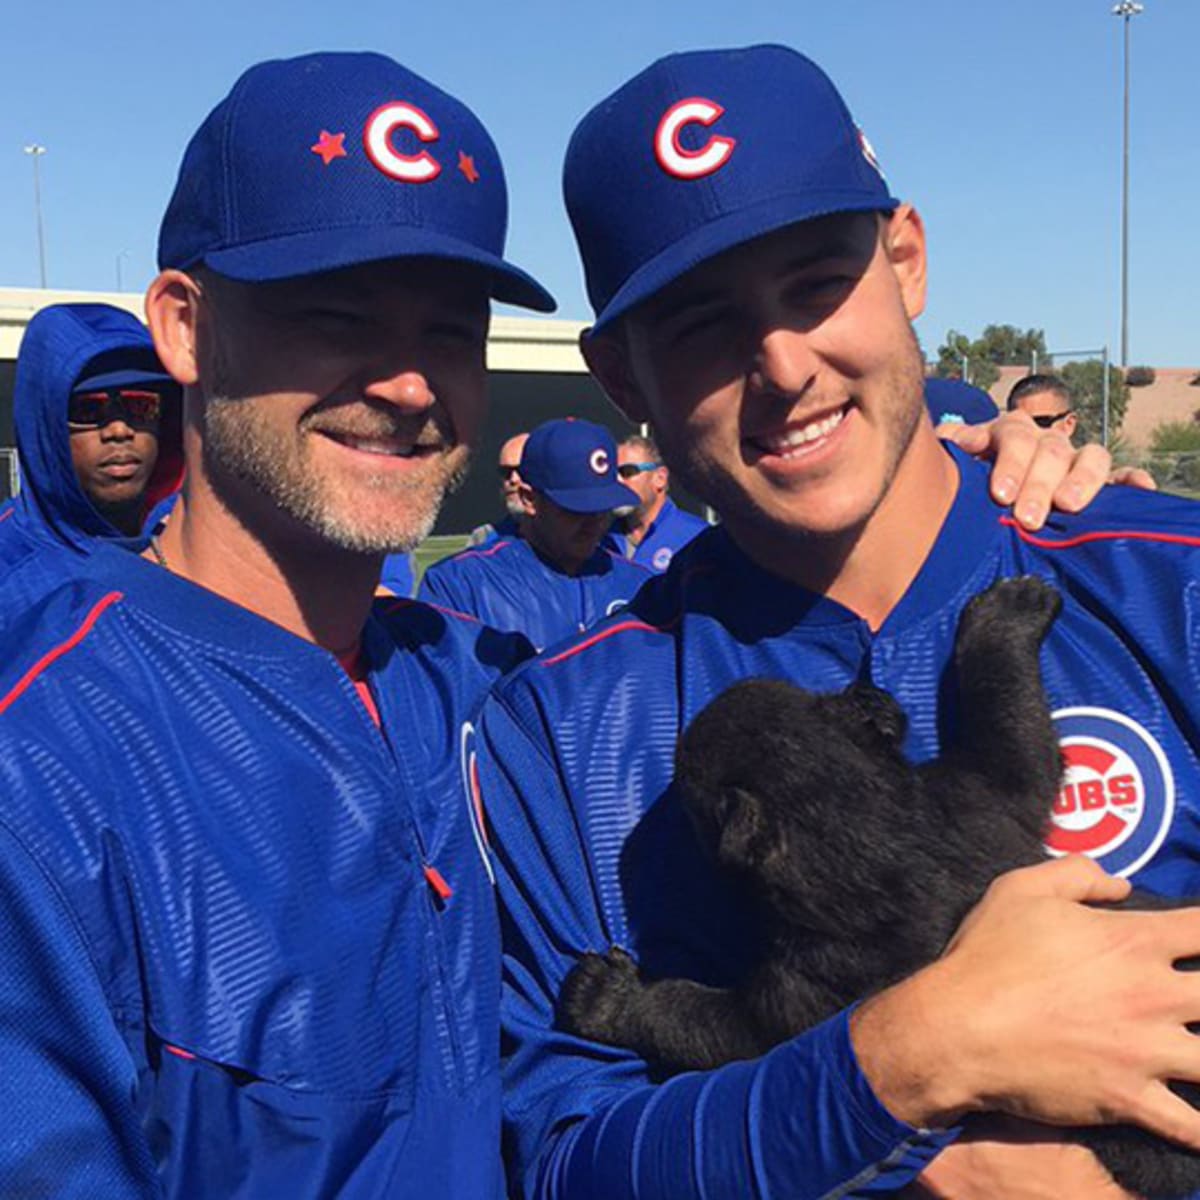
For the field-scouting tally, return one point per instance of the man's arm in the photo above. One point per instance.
(69, 1128)
(1041, 1007)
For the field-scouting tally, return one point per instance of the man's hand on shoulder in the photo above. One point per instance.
(1045, 1008)
(1035, 469)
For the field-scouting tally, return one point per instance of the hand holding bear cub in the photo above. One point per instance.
(850, 906)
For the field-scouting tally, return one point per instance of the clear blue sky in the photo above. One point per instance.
(1000, 120)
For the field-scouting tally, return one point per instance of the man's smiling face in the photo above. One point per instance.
(349, 401)
(782, 377)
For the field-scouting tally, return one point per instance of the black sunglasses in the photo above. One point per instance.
(1048, 420)
(506, 471)
(89, 410)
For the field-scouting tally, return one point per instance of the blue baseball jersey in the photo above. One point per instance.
(510, 586)
(670, 531)
(250, 944)
(575, 758)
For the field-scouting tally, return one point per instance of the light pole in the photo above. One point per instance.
(35, 152)
(119, 257)
(1125, 10)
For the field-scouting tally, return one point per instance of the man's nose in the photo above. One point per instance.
(784, 362)
(116, 430)
(407, 388)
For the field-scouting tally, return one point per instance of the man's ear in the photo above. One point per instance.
(904, 240)
(172, 312)
(607, 357)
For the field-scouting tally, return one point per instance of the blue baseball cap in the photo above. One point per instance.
(575, 464)
(330, 160)
(956, 402)
(704, 151)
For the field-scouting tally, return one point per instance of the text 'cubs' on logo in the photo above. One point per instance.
(670, 152)
(377, 139)
(1118, 794)
(599, 461)
(469, 766)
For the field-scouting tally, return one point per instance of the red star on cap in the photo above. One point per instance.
(466, 164)
(329, 146)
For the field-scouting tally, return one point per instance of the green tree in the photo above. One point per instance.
(998, 346)
(1086, 381)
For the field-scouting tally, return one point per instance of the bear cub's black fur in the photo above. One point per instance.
(858, 865)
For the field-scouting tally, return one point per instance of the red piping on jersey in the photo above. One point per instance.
(1101, 535)
(52, 655)
(481, 553)
(7, 513)
(621, 627)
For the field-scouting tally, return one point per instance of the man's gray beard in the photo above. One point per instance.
(234, 447)
(513, 506)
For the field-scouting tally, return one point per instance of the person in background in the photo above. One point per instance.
(509, 468)
(98, 430)
(1046, 399)
(657, 528)
(553, 579)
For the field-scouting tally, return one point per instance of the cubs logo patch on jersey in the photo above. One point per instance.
(1118, 793)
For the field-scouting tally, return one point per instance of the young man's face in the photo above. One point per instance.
(349, 400)
(783, 377)
(114, 447)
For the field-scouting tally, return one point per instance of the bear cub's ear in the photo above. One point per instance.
(876, 709)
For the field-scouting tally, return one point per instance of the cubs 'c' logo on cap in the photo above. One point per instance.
(662, 558)
(469, 766)
(691, 164)
(377, 140)
(1118, 793)
(599, 461)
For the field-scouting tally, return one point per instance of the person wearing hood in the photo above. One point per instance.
(98, 433)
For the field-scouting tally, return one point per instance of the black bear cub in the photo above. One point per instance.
(857, 865)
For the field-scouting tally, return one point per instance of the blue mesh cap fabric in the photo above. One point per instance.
(334, 159)
(703, 151)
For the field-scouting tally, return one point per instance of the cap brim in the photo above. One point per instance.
(120, 379)
(310, 253)
(604, 497)
(723, 233)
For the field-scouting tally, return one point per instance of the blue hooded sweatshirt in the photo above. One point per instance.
(61, 344)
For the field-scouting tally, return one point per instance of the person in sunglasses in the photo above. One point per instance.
(97, 426)
(653, 532)
(1047, 400)
(508, 467)
(554, 579)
